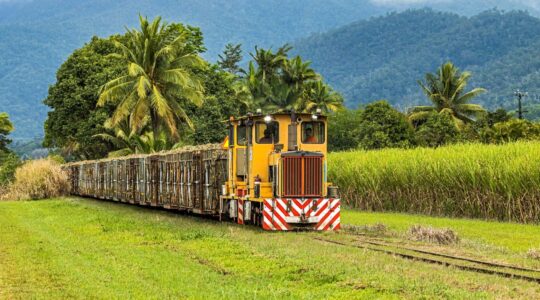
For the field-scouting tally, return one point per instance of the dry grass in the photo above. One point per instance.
(38, 179)
(534, 253)
(443, 236)
(378, 228)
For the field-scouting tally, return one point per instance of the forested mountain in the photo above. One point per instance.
(38, 35)
(382, 58)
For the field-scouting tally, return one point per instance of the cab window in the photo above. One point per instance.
(241, 135)
(313, 133)
(267, 133)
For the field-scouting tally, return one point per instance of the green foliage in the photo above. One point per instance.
(231, 57)
(498, 116)
(381, 57)
(74, 119)
(446, 91)
(382, 126)
(159, 60)
(343, 127)
(8, 164)
(437, 130)
(514, 130)
(6, 127)
(219, 104)
(274, 82)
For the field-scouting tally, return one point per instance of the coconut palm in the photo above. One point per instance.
(158, 79)
(446, 90)
(268, 62)
(128, 142)
(296, 72)
(320, 96)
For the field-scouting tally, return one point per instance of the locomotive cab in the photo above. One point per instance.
(277, 172)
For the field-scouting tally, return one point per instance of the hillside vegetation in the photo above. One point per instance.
(38, 35)
(478, 181)
(382, 58)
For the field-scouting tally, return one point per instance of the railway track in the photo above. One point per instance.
(459, 262)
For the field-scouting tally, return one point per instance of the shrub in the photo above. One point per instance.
(513, 130)
(8, 164)
(343, 129)
(382, 126)
(38, 179)
(437, 130)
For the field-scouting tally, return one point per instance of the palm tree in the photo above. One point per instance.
(120, 138)
(446, 90)
(320, 96)
(296, 72)
(134, 143)
(269, 62)
(158, 79)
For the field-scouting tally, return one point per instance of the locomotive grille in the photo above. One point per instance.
(302, 176)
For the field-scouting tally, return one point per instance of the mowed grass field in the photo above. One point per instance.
(82, 248)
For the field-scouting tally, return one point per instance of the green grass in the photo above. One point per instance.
(517, 238)
(499, 182)
(80, 248)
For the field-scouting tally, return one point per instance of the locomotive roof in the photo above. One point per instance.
(283, 113)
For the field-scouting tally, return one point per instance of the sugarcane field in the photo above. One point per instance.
(270, 150)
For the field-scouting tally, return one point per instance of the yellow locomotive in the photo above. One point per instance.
(270, 171)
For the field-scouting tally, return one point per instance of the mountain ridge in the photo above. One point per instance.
(37, 36)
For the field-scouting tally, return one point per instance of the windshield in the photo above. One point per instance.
(313, 132)
(267, 133)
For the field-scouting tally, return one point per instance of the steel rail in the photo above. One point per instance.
(436, 261)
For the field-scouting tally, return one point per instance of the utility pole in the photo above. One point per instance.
(520, 95)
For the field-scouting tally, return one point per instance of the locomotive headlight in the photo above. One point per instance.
(318, 111)
(259, 111)
(314, 117)
(267, 118)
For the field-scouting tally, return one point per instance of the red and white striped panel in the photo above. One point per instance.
(287, 214)
(240, 212)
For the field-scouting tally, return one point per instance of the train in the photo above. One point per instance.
(270, 171)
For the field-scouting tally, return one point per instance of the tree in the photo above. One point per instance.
(6, 127)
(219, 104)
(9, 161)
(274, 82)
(232, 55)
(513, 130)
(159, 60)
(73, 119)
(437, 130)
(343, 126)
(446, 90)
(382, 126)
(318, 95)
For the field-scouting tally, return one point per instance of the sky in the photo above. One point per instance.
(532, 3)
